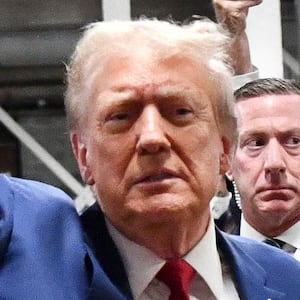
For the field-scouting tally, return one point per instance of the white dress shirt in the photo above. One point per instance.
(219, 204)
(212, 280)
(290, 236)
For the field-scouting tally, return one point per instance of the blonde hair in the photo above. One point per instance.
(202, 40)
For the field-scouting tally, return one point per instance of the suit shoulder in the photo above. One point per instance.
(32, 192)
(266, 255)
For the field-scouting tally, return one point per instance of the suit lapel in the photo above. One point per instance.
(106, 252)
(248, 275)
(250, 278)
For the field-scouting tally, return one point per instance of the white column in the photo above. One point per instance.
(265, 37)
(116, 10)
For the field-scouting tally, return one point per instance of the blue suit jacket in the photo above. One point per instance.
(42, 252)
(260, 272)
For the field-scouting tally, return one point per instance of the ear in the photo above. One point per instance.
(229, 174)
(81, 154)
(225, 155)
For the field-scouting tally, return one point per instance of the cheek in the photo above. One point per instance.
(201, 140)
(109, 159)
(247, 173)
(241, 165)
(205, 164)
(293, 167)
(108, 172)
(106, 160)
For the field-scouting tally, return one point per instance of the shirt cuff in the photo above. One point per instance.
(239, 80)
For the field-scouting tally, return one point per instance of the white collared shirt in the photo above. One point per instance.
(290, 236)
(212, 280)
(219, 205)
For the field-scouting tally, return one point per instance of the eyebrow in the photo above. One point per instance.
(116, 97)
(122, 95)
(262, 133)
(165, 91)
(176, 91)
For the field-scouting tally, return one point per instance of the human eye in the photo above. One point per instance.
(252, 144)
(119, 116)
(255, 143)
(119, 119)
(178, 113)
(181, 111)
(293, 141)
(182, 115)
(292, 144)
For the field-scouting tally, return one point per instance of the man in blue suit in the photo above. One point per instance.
(42, 252)
(149, 106)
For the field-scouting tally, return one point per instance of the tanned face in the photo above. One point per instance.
(266, 165)
(151, 147)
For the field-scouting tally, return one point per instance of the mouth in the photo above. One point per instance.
(157, 177)
(279, 193)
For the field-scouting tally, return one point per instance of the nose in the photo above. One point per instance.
(151, 132)
(274, 165)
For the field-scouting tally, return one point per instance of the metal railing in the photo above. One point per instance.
(84, 197)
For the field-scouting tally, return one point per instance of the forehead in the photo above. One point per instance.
(147, 75)
(276, 108)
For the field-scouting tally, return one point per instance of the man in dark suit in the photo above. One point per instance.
(265, 165)
(149, 107)
(42, 253)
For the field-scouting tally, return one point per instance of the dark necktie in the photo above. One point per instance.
(177, 275)
(281, 244)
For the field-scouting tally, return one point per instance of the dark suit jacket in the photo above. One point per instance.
(42, 252)
(260, 272)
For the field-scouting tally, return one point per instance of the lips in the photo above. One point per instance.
(279, 193)
(158, 176)
(275, 189)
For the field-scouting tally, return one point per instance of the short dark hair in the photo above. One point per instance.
(267, 86)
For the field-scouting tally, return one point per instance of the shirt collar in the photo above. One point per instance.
(204, 258)
(142, 265)
(290, 236)
(248, 231)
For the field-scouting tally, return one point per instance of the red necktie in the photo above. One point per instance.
(177, 275)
